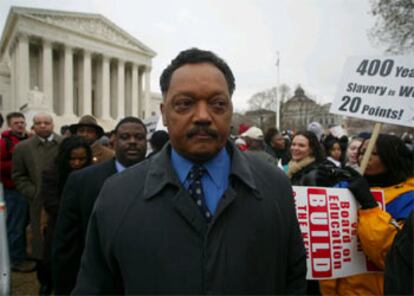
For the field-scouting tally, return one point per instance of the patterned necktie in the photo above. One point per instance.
(196, 190)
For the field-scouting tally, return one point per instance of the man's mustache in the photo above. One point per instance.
(202, 129)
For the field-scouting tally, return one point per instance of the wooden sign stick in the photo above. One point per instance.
(371, 145)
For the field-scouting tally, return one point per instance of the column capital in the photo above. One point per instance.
(87, 52)
(22, 37)
(105, 57)
(46, 42)
(67, 47)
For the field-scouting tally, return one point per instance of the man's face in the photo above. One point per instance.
(278, 142)
(43, 125)
(88, 133)
(197, 111)
(130, 143)
(17, 125)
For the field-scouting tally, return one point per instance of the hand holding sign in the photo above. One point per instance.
(360, 189)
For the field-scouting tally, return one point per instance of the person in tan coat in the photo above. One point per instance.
(30, 158)
(88, 128)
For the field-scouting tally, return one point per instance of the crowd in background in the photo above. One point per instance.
(36, 165)
(316, 158)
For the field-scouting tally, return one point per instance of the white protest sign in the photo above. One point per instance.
(378, 89)
(328, 223)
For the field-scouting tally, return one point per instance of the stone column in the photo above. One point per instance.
(47, 74)
(105, 87)
(13, 80)
(121, 90)
(141, 69)
(147, 94)
(68, 82)
(134, 90)
(86, 101)
(22, 70)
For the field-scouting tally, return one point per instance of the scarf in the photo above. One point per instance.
(295, 166)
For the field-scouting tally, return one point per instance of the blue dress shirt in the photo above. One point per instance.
(119, 167)
(214, 182)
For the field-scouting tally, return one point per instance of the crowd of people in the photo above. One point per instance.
(328, 160)
(203, 211)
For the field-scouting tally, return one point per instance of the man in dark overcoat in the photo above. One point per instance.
(30, 158)
(78, 197)
(200, 217)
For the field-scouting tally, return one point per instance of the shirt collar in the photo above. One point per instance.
(119, 167)
(49, 139)
(218, 167)
(181, 165)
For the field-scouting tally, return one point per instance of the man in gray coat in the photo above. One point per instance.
(30, 158)
(200, 217)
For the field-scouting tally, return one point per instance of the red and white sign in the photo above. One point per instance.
(328, 222)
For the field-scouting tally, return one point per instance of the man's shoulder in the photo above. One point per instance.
(134, 174)
(128, 185)
(257, 164)
(24, 144)
(57, 137)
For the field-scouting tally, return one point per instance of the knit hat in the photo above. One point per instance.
(316, 128)
(254, 133)
(88, 121)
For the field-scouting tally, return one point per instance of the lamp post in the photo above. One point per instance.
(277, 91)
(4, 252)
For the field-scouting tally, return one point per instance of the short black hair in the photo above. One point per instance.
(270, 133)
(196, 56)
(64, 128)
(158, 139)
(14, 115)
(130, 119)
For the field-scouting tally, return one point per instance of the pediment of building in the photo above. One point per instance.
(92, 25)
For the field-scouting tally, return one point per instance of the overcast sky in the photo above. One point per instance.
(313, 37)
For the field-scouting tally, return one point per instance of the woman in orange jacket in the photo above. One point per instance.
(390, 168)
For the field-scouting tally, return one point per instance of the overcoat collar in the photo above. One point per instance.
(161, 171)
(38, 141)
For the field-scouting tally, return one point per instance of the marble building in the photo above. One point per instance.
(71, 64)
(298, 111)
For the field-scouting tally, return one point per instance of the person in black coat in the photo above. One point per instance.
(73, 154)
(399, 264)
(78, 198)
(200, 217)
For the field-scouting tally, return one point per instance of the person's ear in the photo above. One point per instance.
(164, 117)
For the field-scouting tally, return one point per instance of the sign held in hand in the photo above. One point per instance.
(377, 89)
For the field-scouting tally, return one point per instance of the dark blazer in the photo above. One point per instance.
(78, 197)
(147, 236)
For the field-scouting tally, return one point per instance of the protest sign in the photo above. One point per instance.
(328, 223)
(377, 88)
